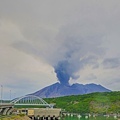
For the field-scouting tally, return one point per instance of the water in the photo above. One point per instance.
(90, 118)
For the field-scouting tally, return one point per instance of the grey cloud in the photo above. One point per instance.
(115, 80)
(111, 63)
(25, 47)
(113, 83)
(59, 31)
(91, 77)
(95, 66)
(70, 49)
(91, 60)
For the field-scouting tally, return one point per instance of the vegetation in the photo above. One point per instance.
(107, 102)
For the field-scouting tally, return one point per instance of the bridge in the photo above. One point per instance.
(27, 100)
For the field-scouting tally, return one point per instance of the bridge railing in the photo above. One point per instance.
(30, 100)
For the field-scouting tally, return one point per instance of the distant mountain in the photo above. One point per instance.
(57, 90)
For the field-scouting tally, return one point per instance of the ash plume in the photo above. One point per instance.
(64, 72)
(69, 52)
(77, 51)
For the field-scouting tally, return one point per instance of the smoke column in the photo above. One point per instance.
(70, 51)
(66, 69)
(77, 52)
(63, 72)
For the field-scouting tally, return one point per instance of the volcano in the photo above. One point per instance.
(58, 90)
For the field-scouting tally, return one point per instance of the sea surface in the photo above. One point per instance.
(90, 118)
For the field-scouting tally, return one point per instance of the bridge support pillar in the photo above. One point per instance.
(0, 110)
(10, 111)
(5, 111)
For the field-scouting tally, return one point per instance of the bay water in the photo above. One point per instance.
(90, 118)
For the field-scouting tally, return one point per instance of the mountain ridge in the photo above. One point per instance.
(58, 90)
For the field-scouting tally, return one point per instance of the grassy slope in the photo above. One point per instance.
(107, 102)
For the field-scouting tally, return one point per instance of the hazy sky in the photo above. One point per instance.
(37, 35)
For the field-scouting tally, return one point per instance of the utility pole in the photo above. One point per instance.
(1, 93)
(10, 94)
(14, 95)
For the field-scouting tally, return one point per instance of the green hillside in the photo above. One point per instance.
(107, 102)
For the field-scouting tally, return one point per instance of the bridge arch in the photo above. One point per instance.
(30, 100)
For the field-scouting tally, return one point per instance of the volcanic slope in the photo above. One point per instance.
(58, 89)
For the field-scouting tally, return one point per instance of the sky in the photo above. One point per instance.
(68, 41)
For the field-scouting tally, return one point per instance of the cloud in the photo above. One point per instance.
(91, 77)
(111, 63)
(78, 51)
(42, 36)
(68, 53)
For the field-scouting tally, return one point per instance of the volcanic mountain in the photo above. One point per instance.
(58, 89)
